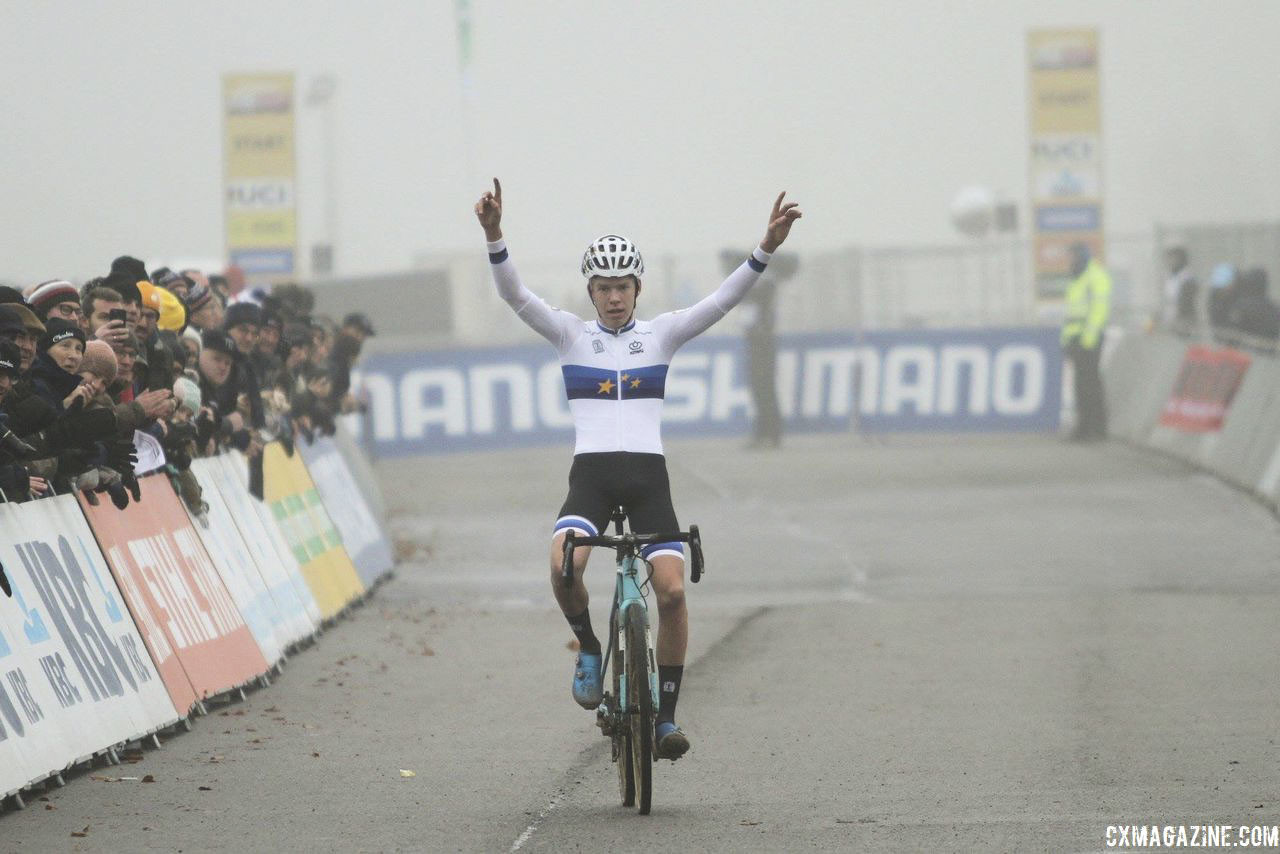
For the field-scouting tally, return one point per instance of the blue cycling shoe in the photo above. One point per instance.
(672, 742)
(588, 690)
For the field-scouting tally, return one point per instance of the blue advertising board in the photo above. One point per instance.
(942, 380)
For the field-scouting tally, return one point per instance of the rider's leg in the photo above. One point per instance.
(673, 618)
(573, 600)
(673, 638)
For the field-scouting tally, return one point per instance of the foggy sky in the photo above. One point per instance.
(674, 123)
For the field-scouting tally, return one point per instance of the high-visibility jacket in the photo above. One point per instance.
(1088, 303)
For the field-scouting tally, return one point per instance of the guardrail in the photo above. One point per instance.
(1212, 405)
(124, 623)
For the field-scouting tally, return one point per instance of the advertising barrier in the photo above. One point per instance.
(190, 623)
(1205, 387)
(957, 380)
(237, 568)
(316, 544)
(275, 561)
(75, 676)
(365, 541)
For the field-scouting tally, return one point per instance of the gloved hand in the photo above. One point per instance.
(122, 455)
(73, 461)
(81, 429)
(16, 446)
(130, 482)
(119, 497)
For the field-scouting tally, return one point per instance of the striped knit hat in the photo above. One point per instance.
(46, 295)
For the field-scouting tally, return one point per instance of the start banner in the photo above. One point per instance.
(75, 676)
(918, 380)
(190, 623)
(1204, 389)
(316, 544)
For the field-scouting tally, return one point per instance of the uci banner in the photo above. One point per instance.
(75, 676)
(943, 380)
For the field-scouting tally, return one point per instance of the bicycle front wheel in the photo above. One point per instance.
(622, 734)
(640, 706)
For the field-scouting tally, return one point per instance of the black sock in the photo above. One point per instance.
(669, 676)
(581, 625)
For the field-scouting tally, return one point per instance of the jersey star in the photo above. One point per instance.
(635, 383)
(606, 387)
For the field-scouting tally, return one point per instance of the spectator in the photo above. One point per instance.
(17, 483)
(55, 298)
(96, 307)
(31, 333)
(55, 374)
(157, 354)
(204, 311)
(1088, 305)
(346, 350)
(1178, 311)
(1222, 290)
(1253, 312)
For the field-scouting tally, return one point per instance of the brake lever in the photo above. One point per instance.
(566, 565)
(695, 552)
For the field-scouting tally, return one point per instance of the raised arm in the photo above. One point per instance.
(558, 327)
(677, 327)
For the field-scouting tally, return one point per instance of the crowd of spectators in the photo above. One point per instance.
(1236, 306)
(192, 362)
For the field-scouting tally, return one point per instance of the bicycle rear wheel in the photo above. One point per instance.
(640, 704)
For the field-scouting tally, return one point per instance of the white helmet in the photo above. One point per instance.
(613, 257)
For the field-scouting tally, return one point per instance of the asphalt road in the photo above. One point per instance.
(918, 644)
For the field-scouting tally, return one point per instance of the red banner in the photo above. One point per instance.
(1203, 391)
(188, 620)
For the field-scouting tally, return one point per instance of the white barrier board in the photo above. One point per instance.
(75, 677)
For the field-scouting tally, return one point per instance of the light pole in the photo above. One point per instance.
(320, 95)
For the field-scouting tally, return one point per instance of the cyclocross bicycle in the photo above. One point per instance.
(627, 713)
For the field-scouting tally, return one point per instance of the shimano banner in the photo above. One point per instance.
(955, 380)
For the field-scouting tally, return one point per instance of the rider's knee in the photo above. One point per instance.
(669, 596)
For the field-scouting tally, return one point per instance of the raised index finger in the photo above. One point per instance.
(777, 203)
(497, 190)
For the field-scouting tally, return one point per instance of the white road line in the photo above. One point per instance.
(528, 831)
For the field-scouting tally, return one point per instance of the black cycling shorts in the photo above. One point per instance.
(600, 482)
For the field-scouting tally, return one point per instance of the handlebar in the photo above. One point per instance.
(572, 540)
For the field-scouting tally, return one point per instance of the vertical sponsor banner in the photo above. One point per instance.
(296, 506)
(362, 536)
(1066, 152)
(1204, 389)
(173, 589)
(75, 676)
(258, 156)
(236, 567)
(280, 571)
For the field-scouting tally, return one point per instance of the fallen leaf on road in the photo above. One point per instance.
(405, 773)
(216, 758)
(748, 823)
(84, 832)
(316, 755)
(205, 788)
(50, 807)
(149, 779)
(270, 709)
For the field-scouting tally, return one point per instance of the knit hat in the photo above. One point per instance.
(99, 360)
(197, 298)
(173, 315)
(187, 394)
(150, 296)
(10, 358)
(48, 294)
(58, 329)
(216, 339)
(242, 312)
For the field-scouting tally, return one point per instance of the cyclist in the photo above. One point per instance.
(614, 370)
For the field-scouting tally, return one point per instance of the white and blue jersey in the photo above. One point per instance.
(615, 381)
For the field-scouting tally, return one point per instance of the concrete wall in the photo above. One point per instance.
(1140, 374)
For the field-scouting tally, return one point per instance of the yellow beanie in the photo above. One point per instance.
(172, 314)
